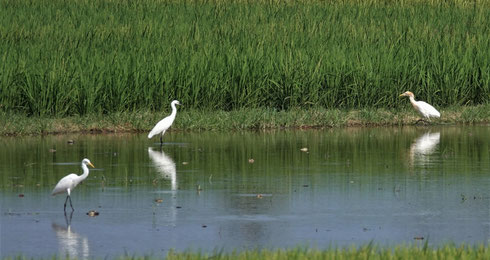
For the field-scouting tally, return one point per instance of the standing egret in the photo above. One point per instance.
(422, 107)
(165, 123)
(70, 181)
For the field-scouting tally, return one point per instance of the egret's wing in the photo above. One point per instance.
(427, 110)
(65, 183)
(161, 126)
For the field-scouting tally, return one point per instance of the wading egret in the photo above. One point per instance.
(70, 181)
(165, 123)
(422, 107)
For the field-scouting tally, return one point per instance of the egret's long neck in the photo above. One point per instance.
(85, 173)
(412, 100)
(174, 110)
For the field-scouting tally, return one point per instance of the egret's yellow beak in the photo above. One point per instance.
(402, 95)
(91, 165)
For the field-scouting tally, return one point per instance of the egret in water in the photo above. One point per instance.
(165, 123)
(70, 181)
(426, 110)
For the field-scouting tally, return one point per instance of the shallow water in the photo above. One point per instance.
(352, 186)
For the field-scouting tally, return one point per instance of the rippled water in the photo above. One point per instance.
(246, 190)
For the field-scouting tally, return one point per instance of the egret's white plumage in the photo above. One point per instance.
(70, 181)
(422, 107)
(165, 123)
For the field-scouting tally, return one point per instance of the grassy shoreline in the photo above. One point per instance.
(243, 119)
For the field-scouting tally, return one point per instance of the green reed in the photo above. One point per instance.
(76, 57)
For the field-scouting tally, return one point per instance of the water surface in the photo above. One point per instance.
(246, 190)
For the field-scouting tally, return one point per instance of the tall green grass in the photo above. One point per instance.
(75, 57)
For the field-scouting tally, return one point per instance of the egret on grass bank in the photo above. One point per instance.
(422, 107)
(165, 123)
(70, 181)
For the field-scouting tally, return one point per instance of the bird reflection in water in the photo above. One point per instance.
(423, 147)
(166, 169)
(165, 166)
(71, 243)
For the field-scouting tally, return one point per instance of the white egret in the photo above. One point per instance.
(165, 123)
(70, 181)
(426, 110)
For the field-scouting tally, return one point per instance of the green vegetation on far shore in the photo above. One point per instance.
(244, 119)
(114, 66)
(60, 58)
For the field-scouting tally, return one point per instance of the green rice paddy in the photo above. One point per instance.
(115, 65)
(78, 57)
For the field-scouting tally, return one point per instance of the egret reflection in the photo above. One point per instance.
(164, 165)
(70, 242)
(423, 147)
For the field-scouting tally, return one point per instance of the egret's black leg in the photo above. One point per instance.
(423, 121)
(161, 143)
(64, 207)
(71, 205)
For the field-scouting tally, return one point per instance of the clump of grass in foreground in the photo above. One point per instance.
(365, 252)
(243, 119)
